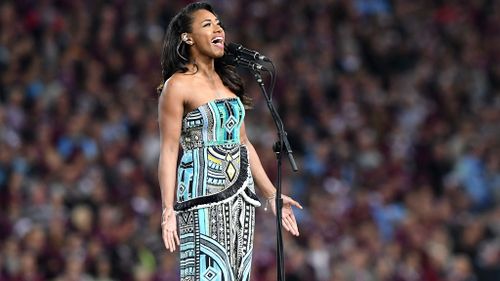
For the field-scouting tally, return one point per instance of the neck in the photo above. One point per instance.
(204, 66)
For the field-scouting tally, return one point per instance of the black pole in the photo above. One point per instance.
(281, 145)
(280, 256)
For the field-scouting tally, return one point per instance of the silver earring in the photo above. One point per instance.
(179, 53)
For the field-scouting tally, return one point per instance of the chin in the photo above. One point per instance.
(218, 55)
(214, 53)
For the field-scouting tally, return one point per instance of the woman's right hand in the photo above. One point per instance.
(169, 229)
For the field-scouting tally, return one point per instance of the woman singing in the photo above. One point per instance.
(202, 107)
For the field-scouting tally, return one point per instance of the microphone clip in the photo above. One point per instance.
(249, 64)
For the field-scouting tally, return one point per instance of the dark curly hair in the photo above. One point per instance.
(175, 52)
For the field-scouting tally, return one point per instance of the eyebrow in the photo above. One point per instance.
(216, 20)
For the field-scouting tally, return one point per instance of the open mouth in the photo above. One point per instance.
(218, 42)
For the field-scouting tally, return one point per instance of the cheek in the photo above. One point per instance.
(200, 39)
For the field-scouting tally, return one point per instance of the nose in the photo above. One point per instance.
(218, 29)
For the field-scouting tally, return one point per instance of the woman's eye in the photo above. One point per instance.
(206, 24)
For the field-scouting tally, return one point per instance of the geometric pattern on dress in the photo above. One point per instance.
(225, 241)
(216, 241)
(230, 123)
(223, 167)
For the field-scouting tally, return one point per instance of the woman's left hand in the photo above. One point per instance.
(287, 216)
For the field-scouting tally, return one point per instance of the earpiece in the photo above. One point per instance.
(186, 39)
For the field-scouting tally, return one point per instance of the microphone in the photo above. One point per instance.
(240, 50)
(231, 59)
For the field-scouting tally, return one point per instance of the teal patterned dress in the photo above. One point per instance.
(215, 195)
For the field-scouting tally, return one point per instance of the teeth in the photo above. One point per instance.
(217, 40)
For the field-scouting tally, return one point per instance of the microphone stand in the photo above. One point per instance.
(282, 145)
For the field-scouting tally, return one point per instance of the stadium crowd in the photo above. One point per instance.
(392, 108)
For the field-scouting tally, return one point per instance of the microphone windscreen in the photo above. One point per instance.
(233, 47)
(229, 58)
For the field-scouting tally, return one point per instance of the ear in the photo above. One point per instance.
(185, 37)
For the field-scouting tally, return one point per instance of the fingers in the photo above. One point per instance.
(177, 238)
(293, 202)
(293, 222)
(170, 239)
(285, 225)
(290, 226)
(289, 222)
(288, 200)
(169, 233)
(166, 241)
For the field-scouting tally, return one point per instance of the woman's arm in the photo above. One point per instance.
(267, 188)
(170, 110)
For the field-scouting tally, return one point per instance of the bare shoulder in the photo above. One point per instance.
(175, 90)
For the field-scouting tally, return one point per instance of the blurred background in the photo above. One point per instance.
(392, 108)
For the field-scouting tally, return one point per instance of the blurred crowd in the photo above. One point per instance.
(392, 108)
